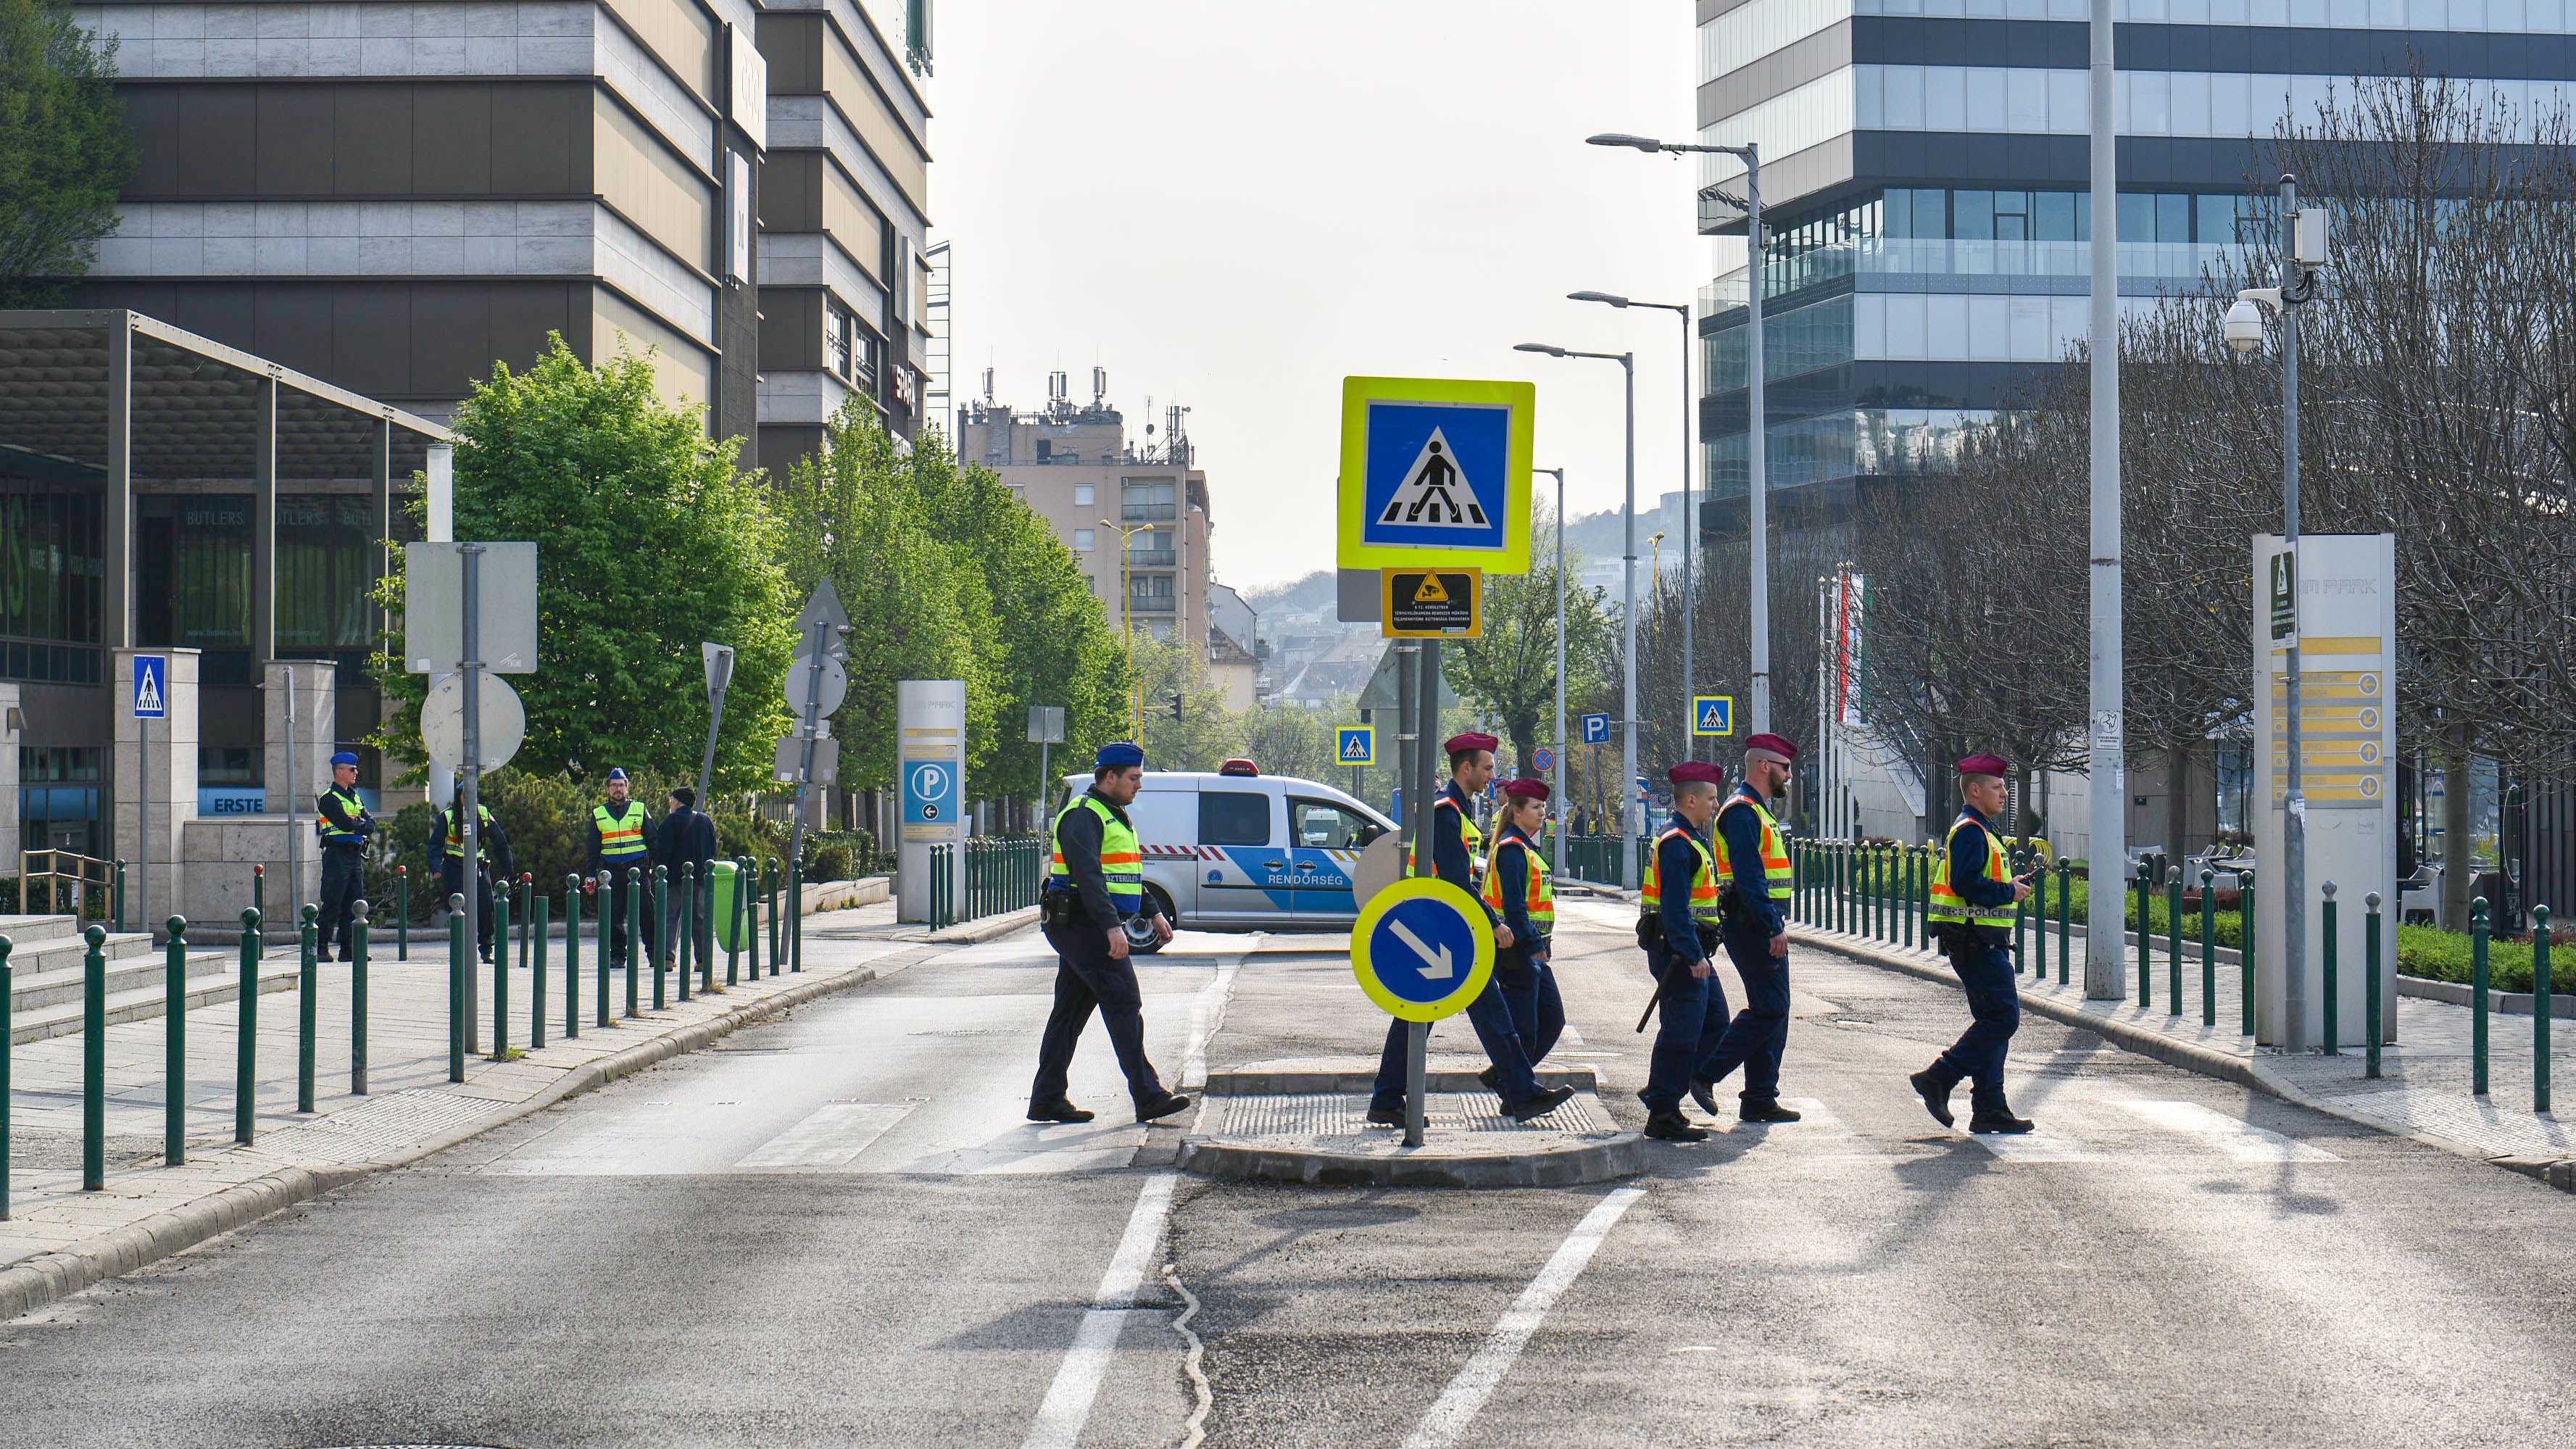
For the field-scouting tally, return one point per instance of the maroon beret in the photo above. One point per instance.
(1460, 744)
(1526, 789)
(1695, 772)
(1776, 744)
(1994, 765)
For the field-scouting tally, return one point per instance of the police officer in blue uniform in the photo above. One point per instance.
(1677, 923)
(343, 825)
(1516, 886)
(1971, 914)
(1471, 768)
(1753, 889)
(1095, 885)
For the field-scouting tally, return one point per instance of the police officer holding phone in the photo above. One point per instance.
(1973, 895)
(1095, 886)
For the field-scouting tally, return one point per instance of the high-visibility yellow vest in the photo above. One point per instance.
(1122, 858)
(482, 838)
(349, 802)
(1467, 832)
(1703, 886)
(1778, 881)
(619, 840)
(1947, 905)
(1538, 894)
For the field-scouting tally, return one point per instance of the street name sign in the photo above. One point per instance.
(1596, 729)
(1358, 744)
(1713, 714)
(151, 686)
(1422, 949)
(1432, 603)
(1435, 473)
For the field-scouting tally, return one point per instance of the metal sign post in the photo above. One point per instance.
(151, 702)
(294, 846)
(1046, 728)
(818, 628)
(719, 658)
(469, 806)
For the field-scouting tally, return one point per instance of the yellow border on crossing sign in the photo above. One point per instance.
(1699, 709)
(1357, 393)
(1480, 971)
(1368, 743)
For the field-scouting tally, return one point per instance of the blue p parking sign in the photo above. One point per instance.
(1596, 729)
(929, 792)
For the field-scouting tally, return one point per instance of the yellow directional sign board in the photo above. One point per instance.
(1431, 603)
(1436, 473)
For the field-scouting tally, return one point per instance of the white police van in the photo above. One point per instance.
(1238, 850)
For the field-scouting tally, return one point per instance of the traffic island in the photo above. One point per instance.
(1306, 1121)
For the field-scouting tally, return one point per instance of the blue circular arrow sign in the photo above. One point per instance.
(1422, 949)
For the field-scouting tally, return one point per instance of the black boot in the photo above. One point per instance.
(2000, 1120)
(1492, 1077)
(1705, 1094)
(1161, 1107)
(1770, 1111)
(1060, 1111)
(1386, 1116)
(1669, 1125)
(1935, 1094)
(1547, 1100)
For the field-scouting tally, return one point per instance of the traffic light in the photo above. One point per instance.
(1176, 710)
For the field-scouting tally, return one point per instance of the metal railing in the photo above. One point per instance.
(1595, 858)
(1148, 512)
(83, 873)
(1003, 874)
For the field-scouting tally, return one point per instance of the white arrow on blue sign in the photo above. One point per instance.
(1418, 949)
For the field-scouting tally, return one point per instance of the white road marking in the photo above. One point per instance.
(831, 1136)
(2034, 1147)
(1466, 1394)
(2237, 1138)
(1207, 1014)
(1067, 1406)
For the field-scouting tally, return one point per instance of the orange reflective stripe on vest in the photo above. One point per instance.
(1703, 886)
(1947, 905)
(1778, 880)
(1537, 893)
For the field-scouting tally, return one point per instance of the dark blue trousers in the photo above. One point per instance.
(343, 879)
(1693, 1013)
(1986, 972)
(1529, 989)
(1492, 1019)
(1089, 979)
(1760, 1032)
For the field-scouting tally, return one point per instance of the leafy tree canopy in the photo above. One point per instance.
(65, 149)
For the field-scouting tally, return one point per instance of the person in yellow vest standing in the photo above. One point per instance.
(1753, 889)
(1971, 914)
(1518, 891)
(447, 857)
(621, 837)
(1677, 917)
(1095, 885)
(343, 825)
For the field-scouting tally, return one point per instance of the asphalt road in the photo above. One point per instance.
(834, 1230)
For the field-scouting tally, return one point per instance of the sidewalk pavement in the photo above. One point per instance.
(2423, 1091)
(60, 1239)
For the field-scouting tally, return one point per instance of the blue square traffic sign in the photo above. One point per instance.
(1435, 476)
(1358, 745)
(1596, 729)
(151, 686)
(929, 792)
(1713, 714)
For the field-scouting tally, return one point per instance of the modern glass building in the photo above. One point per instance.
(1925, 180)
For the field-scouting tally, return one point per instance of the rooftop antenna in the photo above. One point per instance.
(1099, 386)
(988, 387)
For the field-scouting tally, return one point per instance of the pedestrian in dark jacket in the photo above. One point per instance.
(685, 838)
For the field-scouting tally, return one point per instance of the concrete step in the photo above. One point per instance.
(145, 1003)
(63, 975)
(26, 930)
(56, 953)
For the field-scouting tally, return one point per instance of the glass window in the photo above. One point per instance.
(1322, 825)
(325, 565)
(199, 548)
(50, 570)
(2173, 217)
(837, 327)
(1085, 495)
(2137, 217)
(1084, 540)
(1233, 817)
(1975, 214)
(2052, 215)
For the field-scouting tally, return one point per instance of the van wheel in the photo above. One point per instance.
(1140, 936)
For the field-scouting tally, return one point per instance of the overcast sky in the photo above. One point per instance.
(1232, 207)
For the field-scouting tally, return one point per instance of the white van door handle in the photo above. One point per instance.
(1275, 864)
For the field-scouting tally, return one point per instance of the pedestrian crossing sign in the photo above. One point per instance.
(1713, 714)
(1359, 745)
(151, 686)
(1435, 472)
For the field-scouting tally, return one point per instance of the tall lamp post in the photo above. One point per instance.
(2302, 252)
(1690, 505)
(1556, 786)
(1127, 618)
(1758, 485)
(1631, 821)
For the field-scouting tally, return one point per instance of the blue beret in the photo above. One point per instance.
(1119, 756)
(617, 772)
(345, 758)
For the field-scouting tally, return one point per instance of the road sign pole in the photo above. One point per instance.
(1426, 730)
(294, 845)
(806, 726)
(469, 804)
(143, 795)
(719, 661)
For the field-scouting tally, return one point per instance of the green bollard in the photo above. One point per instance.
(120, 893)
(795, 902)
(572, 962)
(2208, 947)
(662, 955)
(753, 895)
(459, 982)
(537, 970)
(246, 1053)
(2038, 918)
(2016, 861)
(307, 1009)
(2245, 947)
(634, 933)
(2065, 917)
(8, 1030)
(94, 1061)
(259, 888)
(358, 952)
(501, 972)
(2334, 1033)
(2173, 940)
(2370, 987)
(2478, 982)
(402, 913)
(2146, 937)
(684, 936)
(174, 1044)
(734, 928)
(2540, 1009)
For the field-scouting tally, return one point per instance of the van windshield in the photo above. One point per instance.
(1323, 825)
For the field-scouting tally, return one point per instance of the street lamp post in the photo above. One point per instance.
(2303, 250)
(1758, 483)
(1630, 821)
(1556, 786)
(1127, 618)
(1690, 503)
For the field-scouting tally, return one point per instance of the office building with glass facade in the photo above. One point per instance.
(1924, 178)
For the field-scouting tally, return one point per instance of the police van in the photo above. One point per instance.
(1238, 850)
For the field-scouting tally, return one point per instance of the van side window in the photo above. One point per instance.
(1233, 817)
(1321, 825)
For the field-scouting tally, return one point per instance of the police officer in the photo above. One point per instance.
(343, 824)
(1095, 885)
(1971, 913)
(1753, 890)
(1518, 890)
(1454, 839)
(1677, 923)
(447, 854)
(621, 838)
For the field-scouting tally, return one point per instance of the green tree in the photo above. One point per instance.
(1511, 671)
(1187, 726)
(65, 149)
(648, 542)
(1286, 740)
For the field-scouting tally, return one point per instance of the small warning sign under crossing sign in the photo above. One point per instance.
(1432, 603)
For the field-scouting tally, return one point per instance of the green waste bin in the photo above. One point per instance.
(729, 931)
